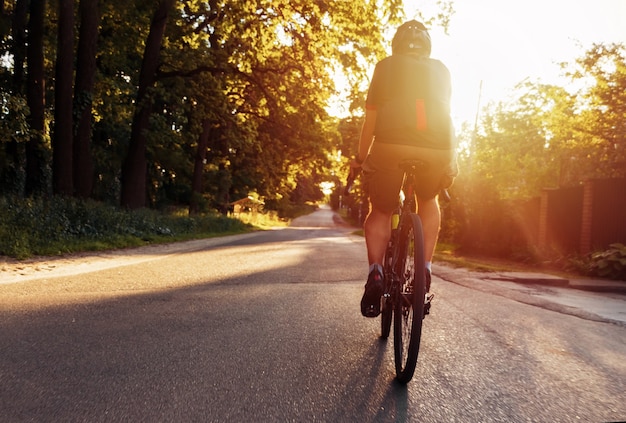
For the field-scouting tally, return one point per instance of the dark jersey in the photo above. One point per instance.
(411, 97)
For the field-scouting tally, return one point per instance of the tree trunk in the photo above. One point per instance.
(62, 143)
(35, 150)
(83, 95)
(198, 168)
(134, 169)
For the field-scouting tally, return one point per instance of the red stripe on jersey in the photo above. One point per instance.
(420, 112)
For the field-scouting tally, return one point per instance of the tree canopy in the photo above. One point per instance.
(177, 102)
(549, 136)
(198, 103)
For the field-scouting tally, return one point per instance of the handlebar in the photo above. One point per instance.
(350, 181)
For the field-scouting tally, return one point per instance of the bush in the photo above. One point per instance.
(610, 263)
(63, 225)
(288, 210)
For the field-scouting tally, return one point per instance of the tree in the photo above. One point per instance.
(200, 159)
(258, 73)
(36, 182)
(63, 140)
(520, 146)
(601, 116)
(123, 29)
(83, 97)
(135, 166)
(180, 100)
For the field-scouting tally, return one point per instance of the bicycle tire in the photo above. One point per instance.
(409, 298)
(386, 314)
(386, 317)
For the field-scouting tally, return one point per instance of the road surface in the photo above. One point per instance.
(266, 327)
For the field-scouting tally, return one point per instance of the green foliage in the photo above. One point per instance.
(610, 263)
(259, 72)
(288, 210)
(602, 124)
(518, 150)
(13, 117)
(14, 132)
(64, 225)
(543, 136)
(547, 137)
(481, 221)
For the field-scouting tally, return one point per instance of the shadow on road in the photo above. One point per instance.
(265, 345)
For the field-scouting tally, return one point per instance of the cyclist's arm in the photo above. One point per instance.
(367, 136)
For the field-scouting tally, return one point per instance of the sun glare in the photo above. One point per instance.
(489, 53)
(327, 187)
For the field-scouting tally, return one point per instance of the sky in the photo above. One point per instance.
(503, 42)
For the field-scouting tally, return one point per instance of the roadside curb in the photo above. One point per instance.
(618, 287)
(528, 278)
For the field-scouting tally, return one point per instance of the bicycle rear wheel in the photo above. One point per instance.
(409, 298)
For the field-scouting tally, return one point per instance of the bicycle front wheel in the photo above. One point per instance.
(409, 298)
(386, 311)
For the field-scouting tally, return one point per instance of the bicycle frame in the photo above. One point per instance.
(406, 206)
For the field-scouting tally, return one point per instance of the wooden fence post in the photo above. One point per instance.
(587, 218)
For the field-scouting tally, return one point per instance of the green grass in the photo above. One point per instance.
(449, 254)
(446, 253)
(56, 226)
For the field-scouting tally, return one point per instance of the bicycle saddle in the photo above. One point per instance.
(413, 165)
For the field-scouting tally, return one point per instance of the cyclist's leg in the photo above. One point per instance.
(430, 214)
(428, 187)
(383, 180)
(377, 233)
(383, 185)
(377, 229)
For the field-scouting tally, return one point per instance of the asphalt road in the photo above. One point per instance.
(266, 327)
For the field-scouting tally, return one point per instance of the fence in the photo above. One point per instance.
(583, 219)
(562, 221)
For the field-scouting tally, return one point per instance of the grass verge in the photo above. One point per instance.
(57, 226)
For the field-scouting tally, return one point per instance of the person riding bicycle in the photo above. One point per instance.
(407, 116)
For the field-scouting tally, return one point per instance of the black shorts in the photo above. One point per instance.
(383, 178)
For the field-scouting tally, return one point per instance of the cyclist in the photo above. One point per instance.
(407, 116)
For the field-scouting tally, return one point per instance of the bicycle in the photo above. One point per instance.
(406, 298)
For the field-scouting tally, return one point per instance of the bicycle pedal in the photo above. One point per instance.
(427, 300)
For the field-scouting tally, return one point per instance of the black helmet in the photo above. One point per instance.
(411, 38)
